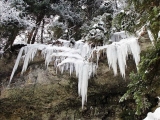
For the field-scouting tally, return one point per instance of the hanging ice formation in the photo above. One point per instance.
(117, 53)
(76, 58)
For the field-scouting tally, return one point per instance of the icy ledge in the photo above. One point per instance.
(78, 58)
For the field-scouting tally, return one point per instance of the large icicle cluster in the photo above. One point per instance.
(76, 58)
(65, 58)
(118, 52)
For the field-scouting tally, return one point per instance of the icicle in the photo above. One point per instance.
(141, 31)
(122, 54)
(71, 68)
(84, 83)
(80, 76)
(118, 51)
(16, 64)
(135, 49)
(112, 57)
(83, 72)
(48, 57)
(29, 56)
(98, 55)
(121, 60)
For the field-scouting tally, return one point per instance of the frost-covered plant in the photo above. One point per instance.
(10, 15)
(106, 6)
(12, 20)
(125, 20)
(99, 29)
(57, 27)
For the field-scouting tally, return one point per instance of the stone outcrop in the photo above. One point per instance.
(43, 94)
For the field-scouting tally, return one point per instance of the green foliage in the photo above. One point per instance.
(145, 82)
(127, 114)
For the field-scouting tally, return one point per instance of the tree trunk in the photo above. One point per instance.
(34, 35)
(11, 38)
(42, 30)
(30, 36)
(38, 22)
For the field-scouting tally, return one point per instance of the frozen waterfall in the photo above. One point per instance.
(76, 58)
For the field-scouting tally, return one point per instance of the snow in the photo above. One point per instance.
(84, 7)
(20, 39)
(121, 4)
(153, 116)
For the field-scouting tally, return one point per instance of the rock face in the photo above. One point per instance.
(43, 94)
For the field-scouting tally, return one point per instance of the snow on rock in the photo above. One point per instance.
(77, 58)
(20, 39)
(153, 116)
(117, 36)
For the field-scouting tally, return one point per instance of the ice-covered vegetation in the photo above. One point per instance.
(14, 15)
